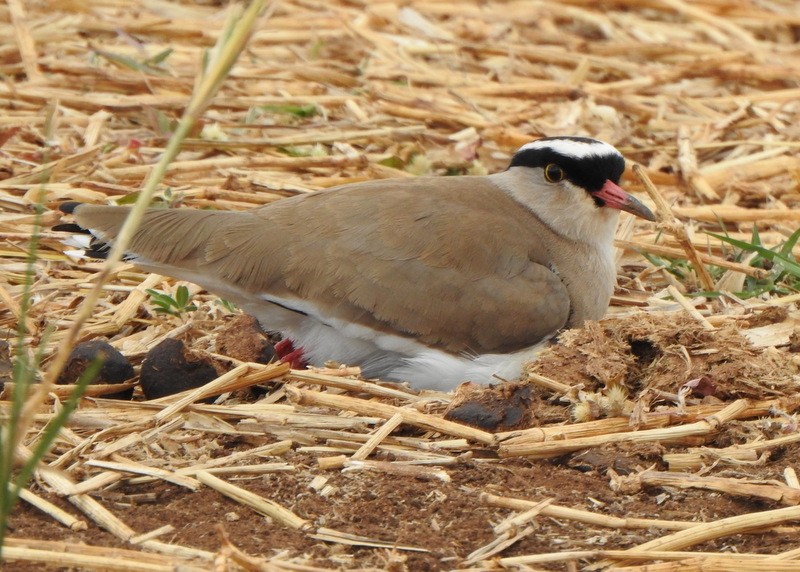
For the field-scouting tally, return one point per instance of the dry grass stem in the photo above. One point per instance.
(653, 419)
(410, 416)
(694, 370)
(90, 562)
(748, 452)
(554, 448)
(775, 492)
(668, 222)
(266, 507)
(49, 508)
(721, 528)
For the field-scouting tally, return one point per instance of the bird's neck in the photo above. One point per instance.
(581, 242)
(571, 215)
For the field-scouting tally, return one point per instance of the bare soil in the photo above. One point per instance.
(676, 412)
(445, 519)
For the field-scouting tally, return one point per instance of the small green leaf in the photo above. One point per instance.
(159, 57)
(392, 162)
(316, 49)
(309, 110)
(160, 298)
(294, 151)
(182, 296)
(756, 238)
(122, 61)
(166, 304)
(230, 306)
(129, 199)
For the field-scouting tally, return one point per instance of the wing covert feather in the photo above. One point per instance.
(465, 269)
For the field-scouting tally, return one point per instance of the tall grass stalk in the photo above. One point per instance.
(216, 65)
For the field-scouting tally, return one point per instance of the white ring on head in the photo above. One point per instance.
(574, 149)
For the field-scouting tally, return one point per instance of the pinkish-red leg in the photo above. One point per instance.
(284, 347)
(287, 353)
(296, 359)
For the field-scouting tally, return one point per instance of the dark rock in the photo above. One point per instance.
(171, 367)
(116, 367)
(501, 407)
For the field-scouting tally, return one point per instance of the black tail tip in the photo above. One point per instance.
(97, 249)
(70, 227)
(69, 206)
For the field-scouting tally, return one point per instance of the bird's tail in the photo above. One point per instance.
(159, 244)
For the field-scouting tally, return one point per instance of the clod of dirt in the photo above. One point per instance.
(244, 340)
(601, 459)
(767, 316)
(492, 408)
(794, 342)
(116, 367)
(6, 367)
(702, 386)
(664, 352)
(171, 367)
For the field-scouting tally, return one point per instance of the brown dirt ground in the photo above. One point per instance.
(448, 519)
(445, 519)
(702, 95)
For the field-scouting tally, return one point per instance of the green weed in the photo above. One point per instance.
(174, 306)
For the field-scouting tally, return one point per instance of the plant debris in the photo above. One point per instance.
(664, 436)
(115, 369)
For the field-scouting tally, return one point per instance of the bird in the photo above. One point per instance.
(432, 280)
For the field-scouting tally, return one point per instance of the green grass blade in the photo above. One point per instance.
(788, 246)
(788, 264)
(23, 374)
(160, 57)
(53, 428)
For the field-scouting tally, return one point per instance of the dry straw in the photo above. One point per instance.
(698, 97)
(233, 41)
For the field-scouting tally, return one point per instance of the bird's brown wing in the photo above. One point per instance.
(453, 262)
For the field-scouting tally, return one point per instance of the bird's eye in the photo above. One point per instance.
(553, 173)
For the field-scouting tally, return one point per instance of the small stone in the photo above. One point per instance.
(492, 408)
(171, 367)
(794, 342)
(116, 367)
(232, 516)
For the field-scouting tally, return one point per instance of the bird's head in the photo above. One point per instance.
(572, 184)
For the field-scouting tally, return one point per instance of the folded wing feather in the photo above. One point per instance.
(402, 259)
